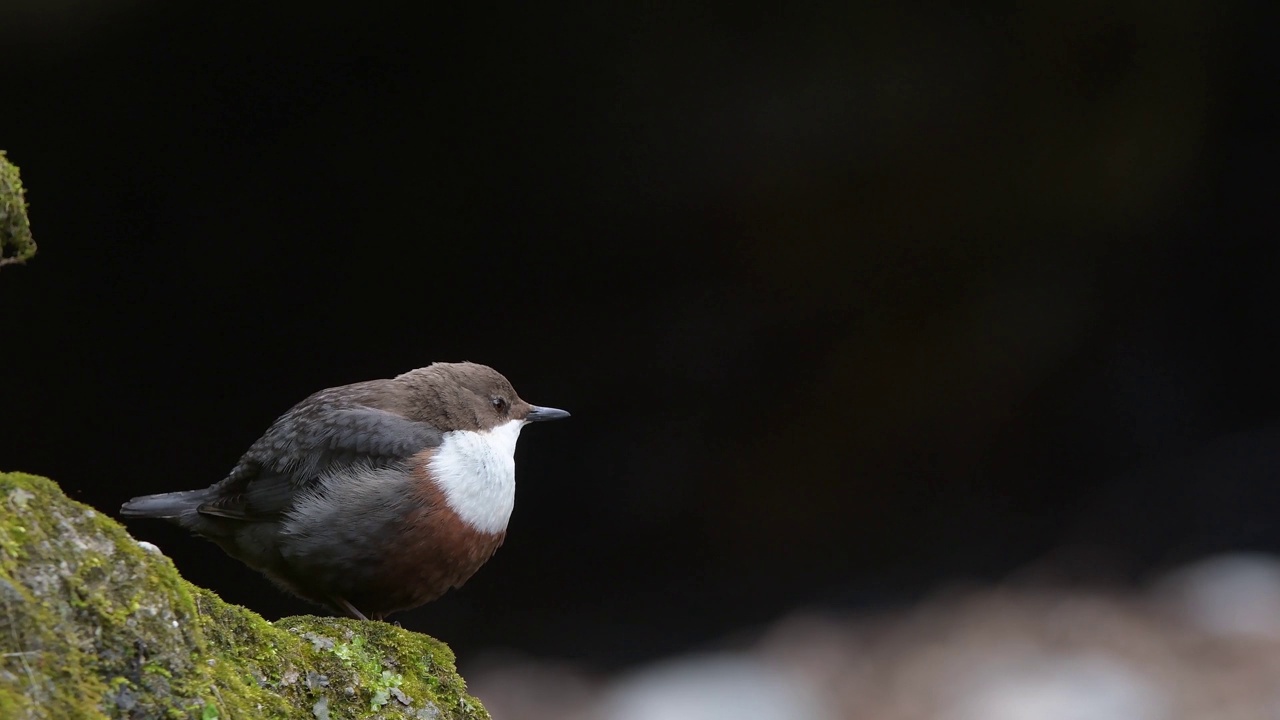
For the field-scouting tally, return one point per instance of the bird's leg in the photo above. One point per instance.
(382, 617)
(348, 608)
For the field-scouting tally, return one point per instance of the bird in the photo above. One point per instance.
(370, 498)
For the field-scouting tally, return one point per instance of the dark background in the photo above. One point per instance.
(849, 303)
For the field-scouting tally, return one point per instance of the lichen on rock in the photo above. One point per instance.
(16, 243)
(94, 624)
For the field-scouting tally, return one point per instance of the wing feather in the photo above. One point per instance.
(314, 438)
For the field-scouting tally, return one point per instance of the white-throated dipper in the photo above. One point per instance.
(374, 497)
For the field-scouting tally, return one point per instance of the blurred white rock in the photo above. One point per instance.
(1235, 595)
(1057, 687)
(712, 687)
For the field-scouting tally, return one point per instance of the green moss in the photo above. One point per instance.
(92, 625)
(16, 243)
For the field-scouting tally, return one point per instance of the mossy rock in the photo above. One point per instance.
(94, 624)
(16, 243)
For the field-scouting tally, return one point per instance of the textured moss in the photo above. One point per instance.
(16, 244)
(95, 625)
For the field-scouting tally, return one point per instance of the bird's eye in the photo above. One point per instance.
(500, 404)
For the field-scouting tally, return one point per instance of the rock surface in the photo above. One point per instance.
(16, 244)
(94, 624)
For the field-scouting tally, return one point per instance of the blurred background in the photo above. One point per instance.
(855, 305)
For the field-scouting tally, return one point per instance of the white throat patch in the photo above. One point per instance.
(477, 472)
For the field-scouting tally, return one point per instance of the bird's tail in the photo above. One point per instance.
(164, 505)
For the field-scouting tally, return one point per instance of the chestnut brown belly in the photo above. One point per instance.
(435, 552)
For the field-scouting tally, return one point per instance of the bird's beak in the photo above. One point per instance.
(538, 414)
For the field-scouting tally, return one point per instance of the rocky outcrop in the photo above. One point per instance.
(16, 244)
(94, 624)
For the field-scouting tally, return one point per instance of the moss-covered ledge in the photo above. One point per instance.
(94, 624)
(16, 243)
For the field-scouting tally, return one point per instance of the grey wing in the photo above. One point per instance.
(307, 442)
